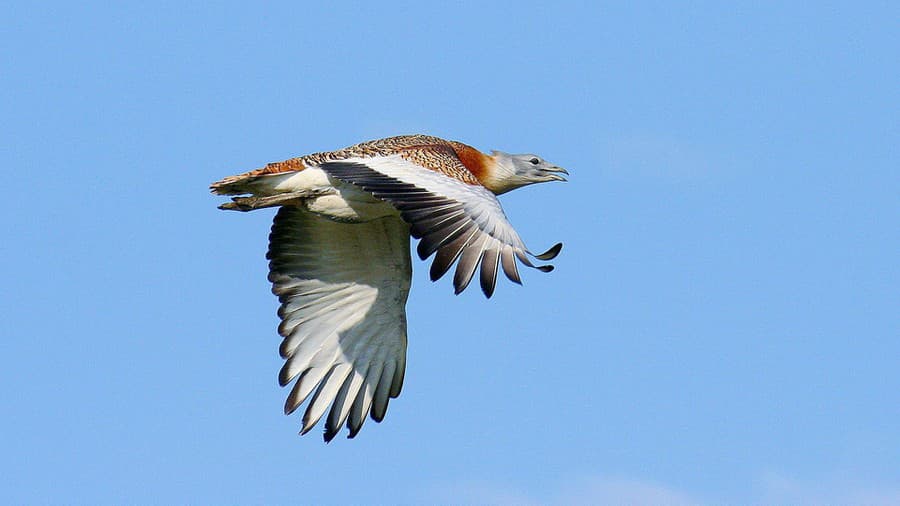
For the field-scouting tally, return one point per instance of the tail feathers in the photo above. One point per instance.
(232, 185)
(244, 183)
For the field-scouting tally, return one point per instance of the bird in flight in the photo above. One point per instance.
(339, 258)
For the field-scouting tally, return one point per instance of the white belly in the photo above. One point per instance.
(344, 202)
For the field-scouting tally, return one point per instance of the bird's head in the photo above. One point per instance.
(514, 171)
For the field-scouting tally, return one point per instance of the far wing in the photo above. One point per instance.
(343, 290)
(458, 221)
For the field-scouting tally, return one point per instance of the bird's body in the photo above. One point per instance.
(346, 202)
(340, 262)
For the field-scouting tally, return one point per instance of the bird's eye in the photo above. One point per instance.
(535, 161)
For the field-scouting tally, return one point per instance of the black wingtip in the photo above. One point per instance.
(439, 267)
(488, 281)
(292, 402)
(460, 283)
(545, 268)
(379, 417)
(551, 253)
(422, 249)
(328, 435)
(283, 376)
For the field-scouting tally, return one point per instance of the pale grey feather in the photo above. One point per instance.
(343, 290)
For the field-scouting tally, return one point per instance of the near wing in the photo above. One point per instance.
(455, 219)
(343, 290)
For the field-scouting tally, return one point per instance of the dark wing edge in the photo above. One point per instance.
(457, 222)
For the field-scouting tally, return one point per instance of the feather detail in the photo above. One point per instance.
(343, 292)
(455, 221)
(427, 151)
(478, 163)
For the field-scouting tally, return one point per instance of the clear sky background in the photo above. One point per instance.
(722, 325)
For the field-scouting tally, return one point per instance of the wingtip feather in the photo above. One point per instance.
(489, 265)
(551, 253)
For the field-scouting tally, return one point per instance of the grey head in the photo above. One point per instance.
(515, 171)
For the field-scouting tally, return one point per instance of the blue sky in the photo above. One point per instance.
(722, 325)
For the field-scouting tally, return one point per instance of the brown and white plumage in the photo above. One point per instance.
(340, 263)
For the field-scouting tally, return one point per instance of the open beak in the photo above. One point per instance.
(553, 173)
